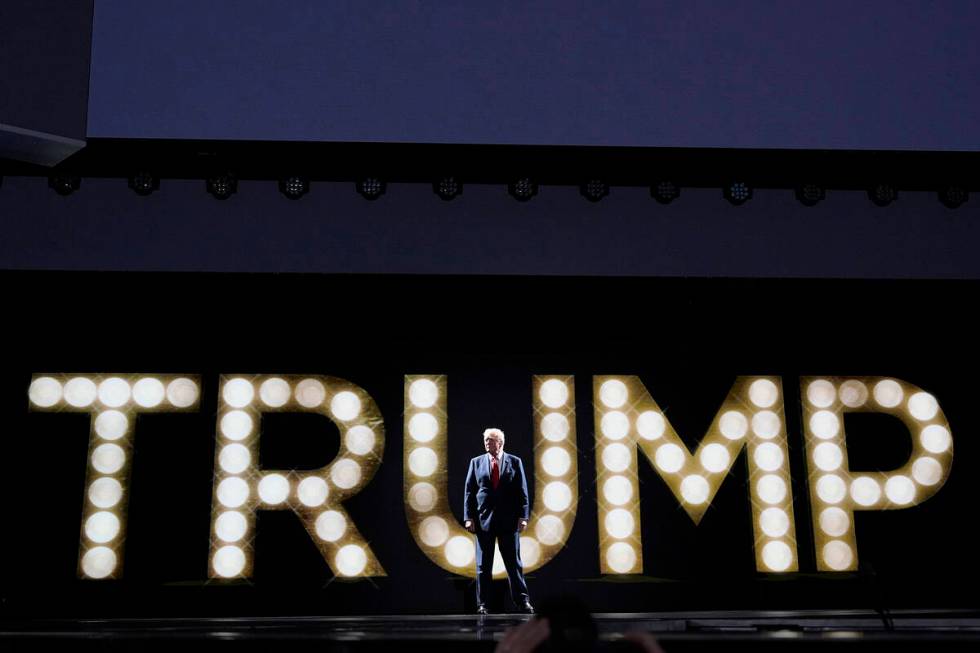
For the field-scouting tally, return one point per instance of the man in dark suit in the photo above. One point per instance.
(495, 508)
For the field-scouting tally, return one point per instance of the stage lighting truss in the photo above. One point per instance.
(665, 192)
(882, 194)
(294, 187)
(371, 188)
(835, 491)
(241, 488)
(427, 503)
(737, 193)
(144, 183)
(953, 197)
(113, 401)
(222, 186)
(810, 194)
(750, 418)
(594, 189)
(448, 188)
(522, 189)
(64, 184)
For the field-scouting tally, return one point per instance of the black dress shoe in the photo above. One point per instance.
(482, 609)
(527, 608)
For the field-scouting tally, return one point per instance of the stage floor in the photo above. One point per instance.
(812, 630)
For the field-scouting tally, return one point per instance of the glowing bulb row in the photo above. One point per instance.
(751, 416)
(431, 521)
(138, 392)
(113, 402)
(835, 491)
(241, 488)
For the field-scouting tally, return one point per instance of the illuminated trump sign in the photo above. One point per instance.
(628, 424)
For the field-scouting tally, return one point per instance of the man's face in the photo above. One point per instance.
(493, 444)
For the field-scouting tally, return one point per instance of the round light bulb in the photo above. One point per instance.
(422, 497)
(557, 496)
(621, 558)
(423, 462)
(553, 393)
(668, 458)
(650, 425)
(423, 393)
(114, 392)
(330, 525)
(312, 491)
(275, 392)
(238, 393)
(615, 425)
(777, 556)
(733, 425)
(45, 392)
(821, 393)
(273, 489)
(555, 427)
(359, 440)
(774, 522)
(763, 393)
(888, 393)
(853, 393)
(423, 427)
(831, 488)
(695, 489)
(766, 424)
(613, 393)
(549, 530)
(149, 392)
(182, 392)
(345, 406)
(230, 526)
(310, 393)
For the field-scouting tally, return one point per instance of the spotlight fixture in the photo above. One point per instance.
(882, 194)
(737, 192)
(953, 197)
(144, 183)
(222, 186)
(522, 189)
(294, 187)
(64, 184)
(594, 190)
(371, 188)
(447, 188)
(810, 194)
(665, 192)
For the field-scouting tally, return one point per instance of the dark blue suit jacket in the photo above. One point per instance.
(496, 510)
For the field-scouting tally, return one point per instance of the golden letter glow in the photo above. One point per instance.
(431, 522)
(836, 491)
(113, 402)
(241, 488)
(751, 417)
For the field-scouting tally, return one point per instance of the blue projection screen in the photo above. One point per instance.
(891, 75)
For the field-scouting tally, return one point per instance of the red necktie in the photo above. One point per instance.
(494, 472)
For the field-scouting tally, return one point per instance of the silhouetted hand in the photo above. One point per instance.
(469, 525)
(644, 641)
(524, 638)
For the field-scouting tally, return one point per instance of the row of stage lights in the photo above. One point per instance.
(223, 186)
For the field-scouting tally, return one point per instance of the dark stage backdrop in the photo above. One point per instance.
(686, 339)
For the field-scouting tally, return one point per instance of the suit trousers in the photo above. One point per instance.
(509, 542)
